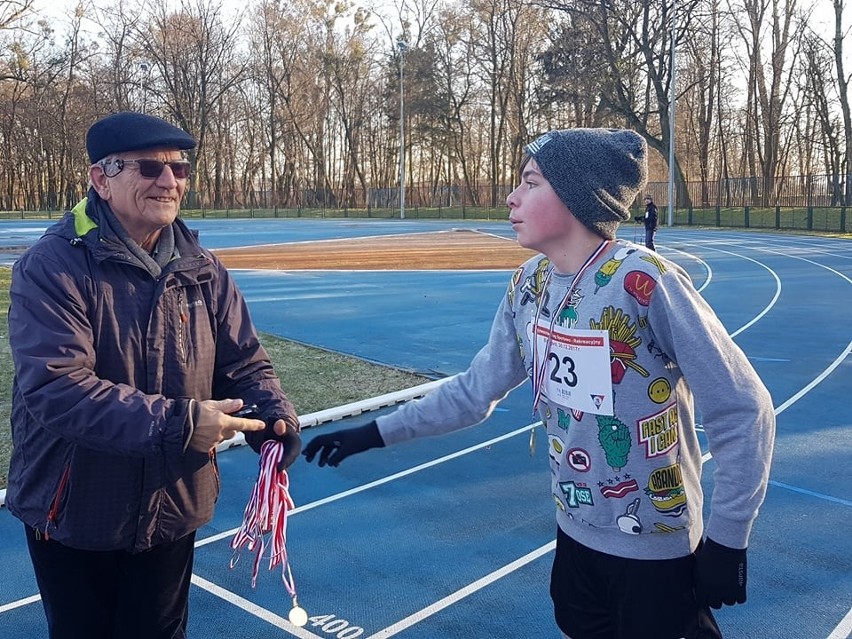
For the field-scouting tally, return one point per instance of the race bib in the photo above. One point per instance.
(576, 368)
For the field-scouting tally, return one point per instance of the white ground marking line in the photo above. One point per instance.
(771, 303)
(19, 603)
(825, 373)
(844, 628)
(262, 613)
(514, 240)
(321, 502)
(810, 493)
(338, 240)
(460, 594)
(693, 256)
(253, 609)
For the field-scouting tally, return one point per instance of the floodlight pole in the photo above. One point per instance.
(672, 117)
(402, 45)
(146, 70)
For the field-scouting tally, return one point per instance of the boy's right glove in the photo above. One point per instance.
(720, 575)
(335, 447)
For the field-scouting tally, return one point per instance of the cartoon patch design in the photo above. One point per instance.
(618, 489)
(665, 528)
(622, 342)
(659, 431)
(568, 316)
(659, 390)
(614, 438)
(654, 259)
(563, 419)
(555, 448)
(605, 273)
(640, 285)
(655, 351)
(665, 489)
(533, 287)
(514, 283)
(576, 494)
(579, 460)
(629, 522)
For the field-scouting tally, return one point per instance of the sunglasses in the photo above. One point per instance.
(151, 169)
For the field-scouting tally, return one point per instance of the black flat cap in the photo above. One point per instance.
(131, 131)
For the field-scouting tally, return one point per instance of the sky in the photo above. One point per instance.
(59, 9)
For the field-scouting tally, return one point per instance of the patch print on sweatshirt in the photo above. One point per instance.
(605, 273)
(618, 487)
(640, 286)
(629, 522)
(532, 289)
(665, 490)
(623, 342)
(614, 438)
(568, 315)
(658, 432)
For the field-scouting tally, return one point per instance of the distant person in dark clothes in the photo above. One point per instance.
(133, 349)
(650, 221)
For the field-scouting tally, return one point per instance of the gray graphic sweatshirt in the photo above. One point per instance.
(626, 484)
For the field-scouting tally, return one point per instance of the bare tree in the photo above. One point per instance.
(195, 54)
(843, 93)
(637, 41)
(827, 130)
(498, 23)
(703, 82)
(768, 83)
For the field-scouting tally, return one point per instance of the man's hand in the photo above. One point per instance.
(280, 432)
(720, 575)
(335, 447)
(214, 424)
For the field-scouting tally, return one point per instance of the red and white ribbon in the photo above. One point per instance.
(264, 524)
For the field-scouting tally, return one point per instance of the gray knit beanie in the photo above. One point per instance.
(597, 173)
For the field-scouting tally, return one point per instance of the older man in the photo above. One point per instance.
(133, 348)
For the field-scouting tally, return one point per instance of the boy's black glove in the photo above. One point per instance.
(720, 575)
(335, 447)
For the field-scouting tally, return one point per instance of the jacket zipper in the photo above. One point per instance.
(53, 514)
(215, 463)
(184, 321)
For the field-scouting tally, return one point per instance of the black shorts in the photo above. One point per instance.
(600, 596)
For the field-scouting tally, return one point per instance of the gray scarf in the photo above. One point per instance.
(163, 252)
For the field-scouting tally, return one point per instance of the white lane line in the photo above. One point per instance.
(261, 613)
(844, 628)
(706, 266)
(460, 594)
(811, 493)
(771, 303)
(815, 382)
(19, 603)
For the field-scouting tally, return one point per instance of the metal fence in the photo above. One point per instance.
(808, 203)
